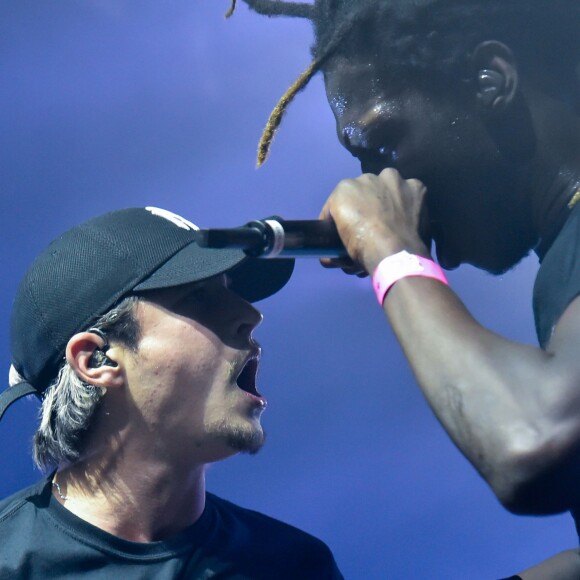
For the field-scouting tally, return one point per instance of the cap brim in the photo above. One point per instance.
(252, 278)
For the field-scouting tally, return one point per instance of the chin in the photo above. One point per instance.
(496, 253)
(503, 262)
(247, 442)
(493, 266)
(243, 438)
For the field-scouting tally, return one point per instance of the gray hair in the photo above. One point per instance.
(70, 403)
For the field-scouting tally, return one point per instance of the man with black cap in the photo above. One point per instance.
(139, 343)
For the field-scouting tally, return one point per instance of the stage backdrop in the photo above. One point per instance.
(107, 104)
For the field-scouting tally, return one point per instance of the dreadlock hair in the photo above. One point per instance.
(415, 36)
(297, 10)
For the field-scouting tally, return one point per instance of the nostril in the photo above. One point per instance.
(345, 139)
(252, 320)
(354, 136)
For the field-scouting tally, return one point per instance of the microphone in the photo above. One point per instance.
(277, 238)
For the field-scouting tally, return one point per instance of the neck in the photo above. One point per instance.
(141, 500)
(555, 206)
(554, 175)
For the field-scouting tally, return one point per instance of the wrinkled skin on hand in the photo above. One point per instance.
(377, 216)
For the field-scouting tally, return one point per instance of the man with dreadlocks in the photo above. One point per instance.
(465, 116)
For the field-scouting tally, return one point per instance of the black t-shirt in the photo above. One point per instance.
(558, 279)
(556, 285)
(41, 539)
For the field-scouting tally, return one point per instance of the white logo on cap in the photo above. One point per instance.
(179, 221)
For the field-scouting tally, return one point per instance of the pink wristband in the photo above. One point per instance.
(401, 265)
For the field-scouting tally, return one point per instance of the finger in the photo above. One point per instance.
(417, 185)
(391, 177)
(355, 271)
(343, 263)
(325, 212)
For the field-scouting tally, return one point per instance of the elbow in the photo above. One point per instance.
(525, 495)
(526, 498)
(533, 464)
(539, 480)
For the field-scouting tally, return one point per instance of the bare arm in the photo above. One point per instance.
(562, 566)
(512, 409)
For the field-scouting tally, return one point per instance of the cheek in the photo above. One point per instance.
(443, 123)
(186, 361)
(181, 389)
(440, 131)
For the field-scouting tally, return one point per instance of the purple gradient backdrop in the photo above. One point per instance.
(114, 103)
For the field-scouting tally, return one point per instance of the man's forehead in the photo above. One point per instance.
(376, 78)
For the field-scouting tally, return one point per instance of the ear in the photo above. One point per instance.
(496, 76)
(79, 351)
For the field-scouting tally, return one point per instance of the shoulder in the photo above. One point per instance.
(558, 279)
(19, 524)
(26, 497)
(276, 536)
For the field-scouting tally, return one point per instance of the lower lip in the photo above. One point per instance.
(256, 400)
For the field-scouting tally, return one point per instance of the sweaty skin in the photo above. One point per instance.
(482, 180)
(512, 409)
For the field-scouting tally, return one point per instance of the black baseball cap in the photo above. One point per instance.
(93, 266)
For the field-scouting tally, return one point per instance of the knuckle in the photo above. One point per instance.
(390, 174)
(347, 183)
(416, 184)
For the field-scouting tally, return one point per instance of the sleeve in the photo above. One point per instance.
(558, 279)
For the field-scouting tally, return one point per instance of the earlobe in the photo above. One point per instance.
(497, 76)
(85, 354)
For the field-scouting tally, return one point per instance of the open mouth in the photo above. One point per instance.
(247, 378)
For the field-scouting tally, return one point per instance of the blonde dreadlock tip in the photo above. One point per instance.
(276, 115)
(262, 157)
(231, 10)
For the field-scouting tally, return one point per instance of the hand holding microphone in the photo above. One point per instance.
(278, 238)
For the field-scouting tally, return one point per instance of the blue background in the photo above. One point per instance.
(114, 103)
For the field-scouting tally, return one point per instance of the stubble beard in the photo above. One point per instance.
(240, 439)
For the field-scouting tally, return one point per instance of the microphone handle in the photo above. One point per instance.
(278, 238)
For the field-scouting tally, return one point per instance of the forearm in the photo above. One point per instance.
(497, 399)
(513, 409)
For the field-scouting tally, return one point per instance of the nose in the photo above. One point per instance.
(363, 126)
(373, 138)
(246, 318)
(353, 136)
